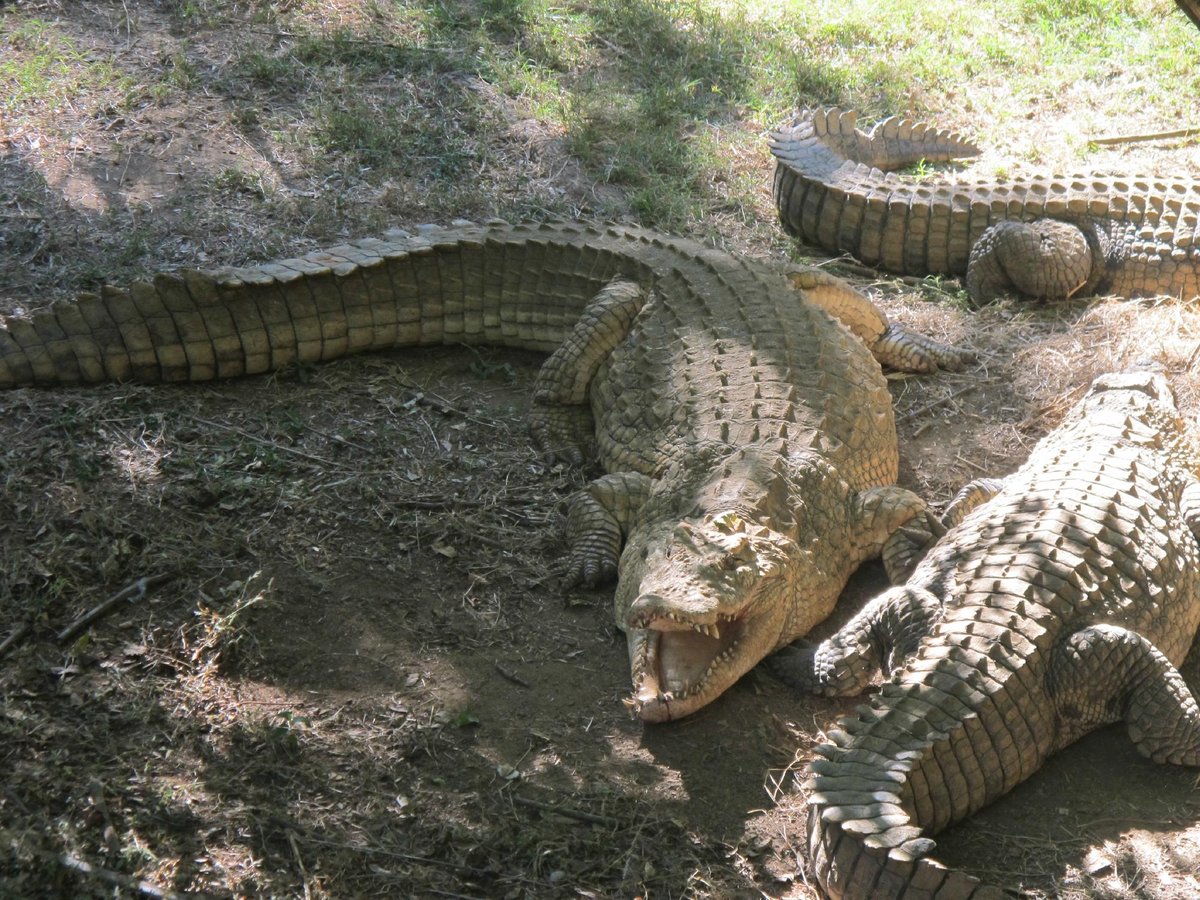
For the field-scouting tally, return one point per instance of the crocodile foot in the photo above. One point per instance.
(1045, 260)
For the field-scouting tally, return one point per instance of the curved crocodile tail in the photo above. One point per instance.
(925, 754)
(820, 140)
(1124, 234)
(509, 285)
(832, 191)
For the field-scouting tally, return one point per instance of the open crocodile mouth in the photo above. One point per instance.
(679, 665)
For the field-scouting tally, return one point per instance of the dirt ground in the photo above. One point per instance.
(342, 665)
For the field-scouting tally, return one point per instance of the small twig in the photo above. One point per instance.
(421, 395)
(971, 464)
(16, 800)
(852, 268)
(515, 679)
(502, 546)
(304, 833)
(334, 437)
(73, 862)
(590, 818)
(274, 445)
(1188, 368)
(1148, 136)
(135, 591)
(405, 857)
(18, 635)
(291, 836)
(443, 503)
(928, 407)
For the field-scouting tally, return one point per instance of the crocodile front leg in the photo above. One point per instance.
(1044, 260)
(877, 639)
(598, 521)
(561, 423)
(909, 544)
(891, 344)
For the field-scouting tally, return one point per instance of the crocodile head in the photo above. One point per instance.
(705, 596)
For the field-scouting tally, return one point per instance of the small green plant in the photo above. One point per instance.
(954, 296)
(236, 181)
(266, 69)
(181, 72)
(501, 371)
(465, 719)
(283, 734)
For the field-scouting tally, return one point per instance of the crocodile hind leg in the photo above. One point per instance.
(891, 344)
(561, 423)
(877, 639)
(597, 522)
(1105, 673)
(1044, 260)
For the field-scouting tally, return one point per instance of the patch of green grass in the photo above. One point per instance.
(402, 136)
(266, 70)
(40, 67)
(639, 88)
(546, 35)
(659, 99)
(122, 255)
(366, 56)
(194, 14)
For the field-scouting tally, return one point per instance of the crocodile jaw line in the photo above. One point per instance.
(679, 666)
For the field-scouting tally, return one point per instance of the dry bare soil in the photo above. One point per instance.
(351, 671)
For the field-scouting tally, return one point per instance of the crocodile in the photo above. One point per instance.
(1047, 238)
(738, 408)
(1059, 599)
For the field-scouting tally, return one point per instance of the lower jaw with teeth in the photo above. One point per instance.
(654, 704)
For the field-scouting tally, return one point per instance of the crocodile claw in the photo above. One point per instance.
(562, 433)
(590, 570)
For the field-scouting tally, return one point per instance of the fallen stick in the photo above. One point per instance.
(274, 445)
(137, 591)
(578, 815)
(17, 635)
(128, 882)
(1148, 136)
(941, 401)
(511, 676)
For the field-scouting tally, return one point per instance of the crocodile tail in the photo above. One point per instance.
(928, 752)
(831, 192)
(821, 138)
(520, 286)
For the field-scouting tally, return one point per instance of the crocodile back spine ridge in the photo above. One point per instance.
(925, 754)
(515, 286)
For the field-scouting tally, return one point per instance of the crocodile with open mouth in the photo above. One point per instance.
(738, 408)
